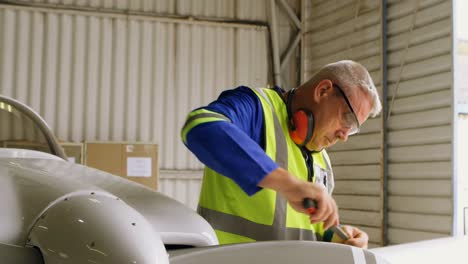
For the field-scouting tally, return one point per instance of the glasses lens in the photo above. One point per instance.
(351, 119)
(352, 123)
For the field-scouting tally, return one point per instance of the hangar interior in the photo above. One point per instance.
(130, 71)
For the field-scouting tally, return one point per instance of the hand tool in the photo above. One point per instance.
(311, 206)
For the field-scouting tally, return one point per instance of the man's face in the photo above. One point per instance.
(334, 117)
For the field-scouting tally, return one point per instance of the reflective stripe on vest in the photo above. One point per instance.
(240, 226)
(200, 116)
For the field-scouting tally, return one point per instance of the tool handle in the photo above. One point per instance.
(310, 205)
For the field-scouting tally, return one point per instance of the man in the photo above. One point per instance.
(264, 155)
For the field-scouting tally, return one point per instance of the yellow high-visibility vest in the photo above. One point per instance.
(238, 217)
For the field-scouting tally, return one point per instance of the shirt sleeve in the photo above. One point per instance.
(234, 149)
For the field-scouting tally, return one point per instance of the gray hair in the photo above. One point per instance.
(350, 75)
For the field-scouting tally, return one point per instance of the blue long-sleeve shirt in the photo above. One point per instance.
(234, 149)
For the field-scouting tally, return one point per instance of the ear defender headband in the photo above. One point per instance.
(301, 123)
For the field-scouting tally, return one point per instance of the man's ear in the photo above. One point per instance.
(323, 90)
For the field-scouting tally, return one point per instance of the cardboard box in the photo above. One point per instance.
(74, 152)
(137, 162)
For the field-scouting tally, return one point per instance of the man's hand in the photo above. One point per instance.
(358, 238)
(295, 190)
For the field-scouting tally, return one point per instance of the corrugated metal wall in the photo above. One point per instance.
(337, 30)
(216, 10)
(104, 76)
(421, 122)
(420, 126)
(290, 75)
(233, 9)
(183, 186)
(15, 127)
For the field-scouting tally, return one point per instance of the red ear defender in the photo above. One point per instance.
(300, 128)
(301, 123)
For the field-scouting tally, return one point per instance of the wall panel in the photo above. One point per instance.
(231, 9)
(400, 235)
(337, 30)
(420, 205)
(420, 124)
(417, 170)
(431, 223)
(357, 217)
(360, 172)
(355, 187)
(184, 186)
(357, 202)
(100, 76)
(420, 101)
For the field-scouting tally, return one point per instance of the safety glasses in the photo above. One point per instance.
(350, 118)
